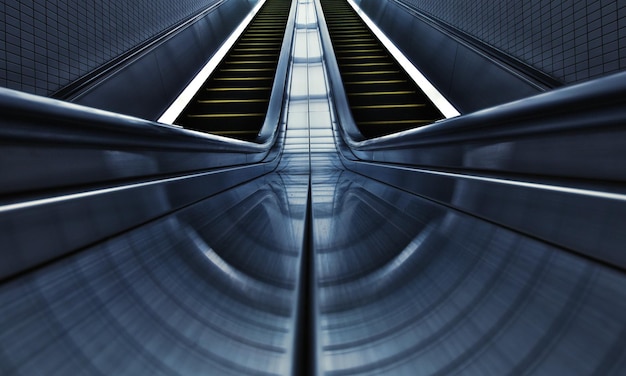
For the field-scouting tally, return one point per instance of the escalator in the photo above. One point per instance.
(382, 97)
(234, 100)
(310, 261)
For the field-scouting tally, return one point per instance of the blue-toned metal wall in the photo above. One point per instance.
(570, 40)
(46, 44)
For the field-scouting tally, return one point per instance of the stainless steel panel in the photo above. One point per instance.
(409, 287)
(52, 144)
(588, 222)
(574, 132)
(73, 176)
(39, 230)
(209, 289)
(166, 68)
(470, 79)
(548, 166)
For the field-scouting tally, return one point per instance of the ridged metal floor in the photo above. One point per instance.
(313, 269)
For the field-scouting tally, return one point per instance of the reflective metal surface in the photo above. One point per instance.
(315, 263)
(466, 73)
(73, 176)
(533, 165)
(144, 83)
(412, 287)
(192, 293)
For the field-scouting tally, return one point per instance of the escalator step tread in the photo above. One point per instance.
(233, 101)
(382, 97)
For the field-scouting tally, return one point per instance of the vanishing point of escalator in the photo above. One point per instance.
(382, 97)
(234, 100)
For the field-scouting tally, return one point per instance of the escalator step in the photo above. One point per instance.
(234, 100)
(382, 97)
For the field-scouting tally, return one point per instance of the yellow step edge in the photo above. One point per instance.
(247, 70)
(209, 101)
(259, 39)
(250, 62)
(243, 78)
(363, 57)
(357, 45)
(337, 39)
(254, 114)
(272, 27)
(350, 26)
(371, 72)
(359, 51)
(375, 82)
(253, 55)
(384, 106)
(278, 43)
(258, 88)
(392, 122)
(338, 17)
(365, 64)
(250, 49)
(403, 92)
(263, 34)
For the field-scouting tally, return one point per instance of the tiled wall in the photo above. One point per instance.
(46, 44)
(571, 40)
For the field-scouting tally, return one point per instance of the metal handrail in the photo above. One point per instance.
(33, 118)
(269, 129)
(593, 105)
(505, 138)
(590, 105)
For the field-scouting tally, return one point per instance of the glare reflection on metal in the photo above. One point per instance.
(412, 287)
(212, 256)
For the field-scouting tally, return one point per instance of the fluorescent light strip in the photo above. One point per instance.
(170, 115)
(517, 183)
(446, 108)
